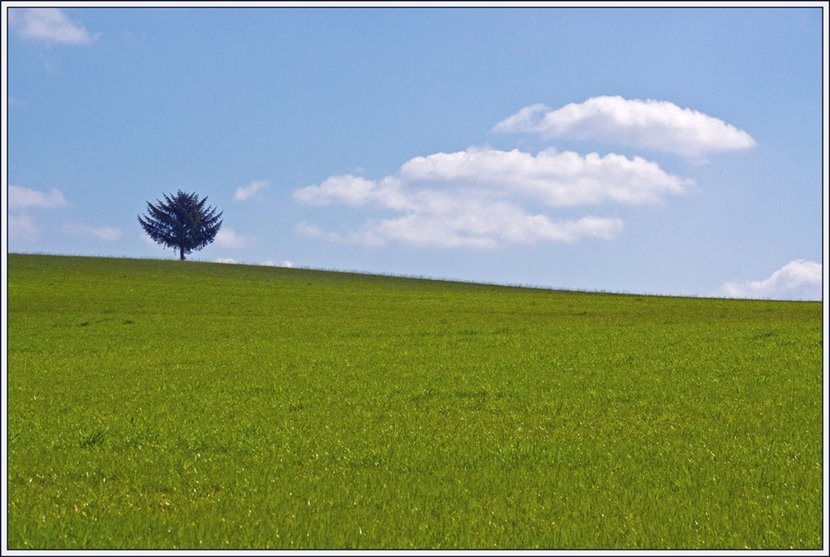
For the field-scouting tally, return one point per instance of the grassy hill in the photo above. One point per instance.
(167, 404)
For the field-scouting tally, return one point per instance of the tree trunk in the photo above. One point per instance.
(181, 253)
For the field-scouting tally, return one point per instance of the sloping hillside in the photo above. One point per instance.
(167, 404)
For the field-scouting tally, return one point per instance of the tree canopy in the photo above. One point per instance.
(182, 222)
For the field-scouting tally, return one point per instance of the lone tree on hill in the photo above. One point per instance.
(181, 222)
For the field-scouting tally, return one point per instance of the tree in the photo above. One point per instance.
(181, 222)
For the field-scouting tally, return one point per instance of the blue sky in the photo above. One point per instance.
(659, 150)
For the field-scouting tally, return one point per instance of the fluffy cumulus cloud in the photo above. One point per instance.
(25, 198)
(244, 193)
(797, 280)
(346, 189)
(480, 197)
(49, 25)
(555, 178)
(649, 124)
(485, 197)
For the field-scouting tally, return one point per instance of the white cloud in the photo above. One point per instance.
(476, 198)
(103, 233)
(225, 260)
(347, 189)
(286, 264)
(22, 228)
(26, 198)
(230, 238)
(550, 177)
(650, 124)
(526, 120)
(49, 25)
(554, 178)
(486, 227)
(311, 230)
(243, 193)
(797, 280)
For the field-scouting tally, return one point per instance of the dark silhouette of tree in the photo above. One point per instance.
(182, 222)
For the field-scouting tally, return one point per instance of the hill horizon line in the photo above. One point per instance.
(428, 278)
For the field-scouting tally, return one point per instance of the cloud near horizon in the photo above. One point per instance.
(49, 25)
(477, 197)
(103, 233)
(649, 124)
(26, 198)
(230, 238)
(22, 226)
(797, 280)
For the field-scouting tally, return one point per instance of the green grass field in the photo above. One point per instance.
(168, 404)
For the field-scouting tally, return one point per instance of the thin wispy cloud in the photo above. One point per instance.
(23, 228)
(244, 193)
(49, 25)
(648, 124)
(102, 233)
(797, 280)
(486, 197)
(230, 238)
(26, 198)
(486, 227)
